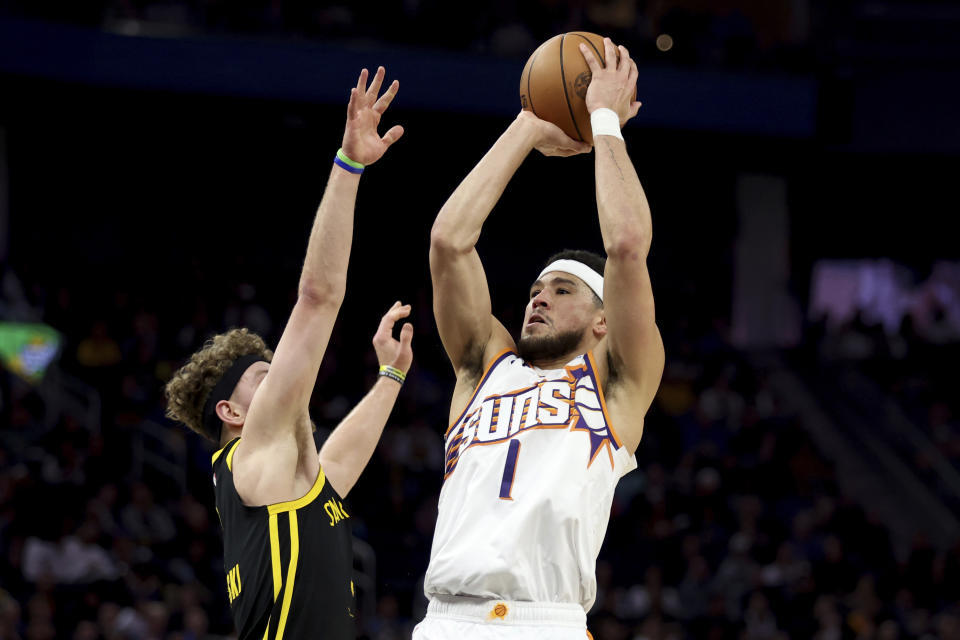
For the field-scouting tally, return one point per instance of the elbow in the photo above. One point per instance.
(315, 292)
(628, 246)
(445, 240)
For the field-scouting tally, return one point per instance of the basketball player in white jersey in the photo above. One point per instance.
(541, 429)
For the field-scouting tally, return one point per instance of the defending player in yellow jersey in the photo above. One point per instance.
(287, 543)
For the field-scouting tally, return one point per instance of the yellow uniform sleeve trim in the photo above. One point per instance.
(217, 455)
(275, 556)
(213, 461)
(230, 453)
(291, 573)
(310, 496)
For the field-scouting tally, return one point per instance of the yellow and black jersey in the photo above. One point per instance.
(288, 565)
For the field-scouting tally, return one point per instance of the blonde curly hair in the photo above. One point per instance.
(190, 386)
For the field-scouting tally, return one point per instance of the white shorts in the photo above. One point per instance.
(462, 618)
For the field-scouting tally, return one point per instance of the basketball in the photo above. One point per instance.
(554, 82)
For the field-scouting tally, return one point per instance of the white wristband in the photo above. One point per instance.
(605, 122)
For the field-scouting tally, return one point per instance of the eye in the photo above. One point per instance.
(562, 290)
(534, 293)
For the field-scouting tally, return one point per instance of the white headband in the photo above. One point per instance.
(593, 279)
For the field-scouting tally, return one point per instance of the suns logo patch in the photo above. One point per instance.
(570, 403)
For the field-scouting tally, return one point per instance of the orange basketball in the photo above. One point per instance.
(554, 82)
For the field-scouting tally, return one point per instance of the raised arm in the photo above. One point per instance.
(634, 350)
(461, 299)
(279, 406)
(348, 449)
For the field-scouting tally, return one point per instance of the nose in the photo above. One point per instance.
(540, 301)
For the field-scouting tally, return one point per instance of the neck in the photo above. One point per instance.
(227, 435)
(551, 364)
(557, 363)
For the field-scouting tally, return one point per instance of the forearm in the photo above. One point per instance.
(625, 221)
(348, 449)
(459, 222)
(324, 275)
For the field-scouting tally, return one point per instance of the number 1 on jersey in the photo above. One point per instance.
(509, 470)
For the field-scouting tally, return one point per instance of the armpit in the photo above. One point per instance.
(472, 370)
(614, 374)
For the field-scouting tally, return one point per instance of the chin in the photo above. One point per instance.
(532, 332)
(533, 348)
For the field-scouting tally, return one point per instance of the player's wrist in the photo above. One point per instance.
(345, 162)
(605, 122)
(392, 373)
(535, 132)
(526, 126)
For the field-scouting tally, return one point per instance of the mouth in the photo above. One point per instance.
(536, 318)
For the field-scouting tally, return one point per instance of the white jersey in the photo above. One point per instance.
(531, 466)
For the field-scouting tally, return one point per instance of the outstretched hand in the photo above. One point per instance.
(612, 86)
(390, 351)
(361, 142)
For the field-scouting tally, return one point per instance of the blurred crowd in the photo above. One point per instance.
(902, 333)
(915, 367)
(740, 529)
(728, 34)
(733, 527)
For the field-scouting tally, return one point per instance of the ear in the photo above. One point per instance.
(599, 327)
(230, 414)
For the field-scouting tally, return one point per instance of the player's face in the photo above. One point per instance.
(248, 384)
(560, 303)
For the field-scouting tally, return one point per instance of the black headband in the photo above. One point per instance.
(224, 390)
